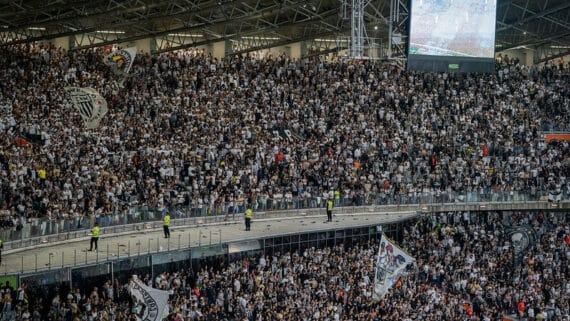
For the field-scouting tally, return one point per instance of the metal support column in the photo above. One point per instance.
(397, 25)
(358, 30)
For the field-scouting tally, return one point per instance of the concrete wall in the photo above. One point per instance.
(61, 42)
(525, 56)
(142, 45)
(295, 50)
(218, 49)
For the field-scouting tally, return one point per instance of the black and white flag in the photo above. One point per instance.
(121, 60)
(152, 302)
(390, 264)
(90, 105)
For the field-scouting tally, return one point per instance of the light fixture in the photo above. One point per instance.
(260, 38)
(330, 40)
(185, 35)
(111, 31)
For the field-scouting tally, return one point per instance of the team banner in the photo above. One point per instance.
(122, 60)
(152, 301)
(390, 264)
(90, 105)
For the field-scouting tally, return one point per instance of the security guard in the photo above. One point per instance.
(329, 210)
(336, 197)
(94, 237)
(1, 247)
(166, 224)
(247, 217)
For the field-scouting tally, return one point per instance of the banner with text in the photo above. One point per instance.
(151, 302)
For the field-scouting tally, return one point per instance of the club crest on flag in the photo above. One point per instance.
(390, 264)
(152, 300)
(121, 60)
(90, 105)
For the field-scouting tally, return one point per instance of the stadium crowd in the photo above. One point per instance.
(463, 270)
(246, 128)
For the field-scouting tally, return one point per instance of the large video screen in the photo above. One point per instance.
(452, 33)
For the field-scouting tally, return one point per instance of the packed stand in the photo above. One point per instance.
(189, 129)
(463, 271)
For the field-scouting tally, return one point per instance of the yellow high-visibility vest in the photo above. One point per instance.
(248, 213)
(329, 205)
(166, 220)
(95, 231)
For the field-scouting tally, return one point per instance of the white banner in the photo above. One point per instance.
(390, 264)
(90, 105)
(121, 60)
(153, 301)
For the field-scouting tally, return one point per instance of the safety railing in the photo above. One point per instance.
(34, 230)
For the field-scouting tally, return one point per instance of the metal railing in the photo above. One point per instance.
(34, 231)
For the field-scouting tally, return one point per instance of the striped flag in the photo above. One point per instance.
(90, 105)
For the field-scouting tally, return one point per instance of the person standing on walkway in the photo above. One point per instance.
(166, 225)
(329, 210)
(94, 237)
(247, 217)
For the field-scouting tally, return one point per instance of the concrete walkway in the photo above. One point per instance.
(150, 239)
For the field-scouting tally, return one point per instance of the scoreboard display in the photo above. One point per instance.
(452, 35)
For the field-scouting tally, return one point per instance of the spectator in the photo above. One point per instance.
(460, 272)
(280, 127)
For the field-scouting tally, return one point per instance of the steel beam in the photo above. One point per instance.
(548, 53)
(536, 15)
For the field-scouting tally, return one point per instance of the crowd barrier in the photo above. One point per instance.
(33, 230)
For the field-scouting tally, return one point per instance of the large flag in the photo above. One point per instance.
(153, 300)
(390, 264)
(121, 60)
(90, 105)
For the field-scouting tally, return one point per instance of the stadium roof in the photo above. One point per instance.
(263, 23)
